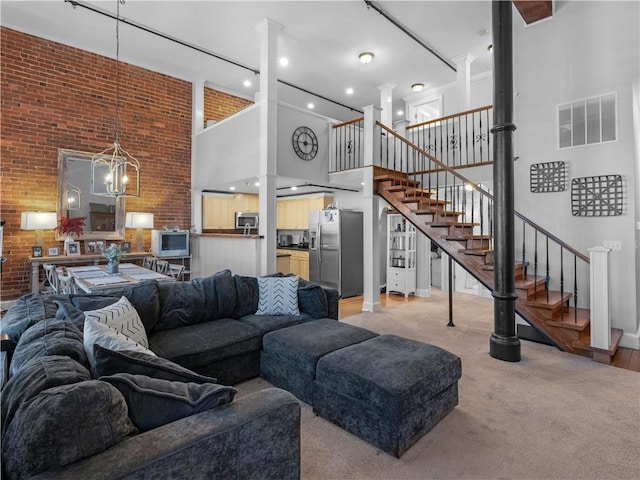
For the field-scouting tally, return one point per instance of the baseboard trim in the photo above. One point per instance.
(371, 307)
(423, 292)
(630, 340)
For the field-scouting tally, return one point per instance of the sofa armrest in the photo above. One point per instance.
(333, 298)
(255, 436)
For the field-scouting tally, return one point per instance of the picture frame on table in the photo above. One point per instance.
(53, 251)
(36, 251)
(90, 247)
(125, 247)
(99, 246)
(73, 249)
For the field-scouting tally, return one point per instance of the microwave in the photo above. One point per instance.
(170, 243)
(246, 218)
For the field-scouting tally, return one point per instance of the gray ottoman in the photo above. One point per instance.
(289, 355)
(388, 390)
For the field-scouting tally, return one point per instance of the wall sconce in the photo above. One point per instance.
(417, 87)
(73, 197)
(38, 221)
(139, 220)
(366, 57)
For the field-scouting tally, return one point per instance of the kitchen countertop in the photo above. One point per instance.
(225, 235)
(294, 247)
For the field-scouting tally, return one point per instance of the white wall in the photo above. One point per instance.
(587, 49)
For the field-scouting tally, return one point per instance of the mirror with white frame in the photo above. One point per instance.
(104, 216)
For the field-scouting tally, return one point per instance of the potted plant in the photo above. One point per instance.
(68, 226)
(113, 255)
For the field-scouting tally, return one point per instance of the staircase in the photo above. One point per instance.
(457, 215)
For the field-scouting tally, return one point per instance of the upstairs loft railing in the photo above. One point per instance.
(442, 189)
(459, 140)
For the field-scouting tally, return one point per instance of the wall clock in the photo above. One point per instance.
(305, 143)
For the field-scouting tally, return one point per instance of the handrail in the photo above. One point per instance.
(449, 117)
(348, 122)
(484, 192)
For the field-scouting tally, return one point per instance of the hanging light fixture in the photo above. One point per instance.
(114, 172)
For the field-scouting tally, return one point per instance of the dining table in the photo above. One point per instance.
(94, 278)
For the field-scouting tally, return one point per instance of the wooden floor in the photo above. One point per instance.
(627, 358)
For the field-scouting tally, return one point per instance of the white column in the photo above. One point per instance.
(386, 103)
(600, 321)
(268, 30)
(197, 125)
(371, 212)
(463, 80)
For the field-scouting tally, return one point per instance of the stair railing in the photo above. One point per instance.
(348, 139)
(441, 189)
(459, 140)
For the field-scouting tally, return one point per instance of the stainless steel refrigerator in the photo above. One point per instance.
(335, 250)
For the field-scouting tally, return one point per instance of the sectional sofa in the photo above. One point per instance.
(82, 402)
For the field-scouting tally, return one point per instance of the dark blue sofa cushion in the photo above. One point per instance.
(246, 296)
(153, 402)
(268, 323)
(198, 301)
(27, 311)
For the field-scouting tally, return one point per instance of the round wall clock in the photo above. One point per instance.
(305, 143)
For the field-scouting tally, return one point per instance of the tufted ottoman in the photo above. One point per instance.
(289, 355)
(387, 390)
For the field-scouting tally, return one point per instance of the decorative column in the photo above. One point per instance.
(386, 103)
(268, 30)
(600, 321)
(197, 125)
(463, 80)
(504, 344)
(371, 214)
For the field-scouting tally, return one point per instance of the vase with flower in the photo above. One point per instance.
(70, 226)
(113, 255)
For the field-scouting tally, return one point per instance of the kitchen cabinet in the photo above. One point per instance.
(293, 214)
(401, 255)
(218, 212)
(283, 261)
(300, 263)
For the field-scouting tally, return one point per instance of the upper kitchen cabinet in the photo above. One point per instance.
(218, 211)
(293, 214)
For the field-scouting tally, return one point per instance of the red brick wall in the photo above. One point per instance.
(218, 105)
(55, 96)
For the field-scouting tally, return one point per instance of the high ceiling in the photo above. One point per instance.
(321, 40)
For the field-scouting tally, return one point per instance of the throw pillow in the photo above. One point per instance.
(107, 337)
(278, 296)
(153, 402)
(109, 362)
(122, 317)
(36, 376)
(246, 296)
(52, 336)
(83, 419)
(313, 300)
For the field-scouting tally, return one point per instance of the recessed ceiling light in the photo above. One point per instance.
(232, 188)
(310, 106)
(400, 112)
(284, 61)
(294, 188)
(256, 184)
(247, 83)
(349, 91)
(417, 87)
(366, 57)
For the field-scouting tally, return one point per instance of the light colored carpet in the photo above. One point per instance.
(552, 415)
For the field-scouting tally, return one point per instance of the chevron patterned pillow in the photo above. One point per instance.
(278, 296)
(122, 317)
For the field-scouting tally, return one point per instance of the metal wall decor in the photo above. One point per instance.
(548, 177)
(599, 196)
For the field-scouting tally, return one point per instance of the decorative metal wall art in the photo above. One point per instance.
(599, 196)
(548, 177)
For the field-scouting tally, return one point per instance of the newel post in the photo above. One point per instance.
(600, 321)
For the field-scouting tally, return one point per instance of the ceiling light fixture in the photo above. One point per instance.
(417, 87)
(284, 61)
(349, 91)
(400, 112)
(366, 57)
(247, 83)
(114, 172)
(310, 106)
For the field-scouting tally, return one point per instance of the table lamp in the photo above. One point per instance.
(139, 220)
(38, 221)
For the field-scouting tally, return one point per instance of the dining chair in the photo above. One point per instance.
(149, 262)
(52, 276)
(176, 271)
(162, 266)
(66, 283)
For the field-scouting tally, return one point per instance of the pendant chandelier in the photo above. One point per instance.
(114, 172)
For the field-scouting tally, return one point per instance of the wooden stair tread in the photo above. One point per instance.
(436, 211)
(396, 188)
(464, 237)
(584, 343)
(426, 191)
(571, 318)
(452, 224)
(530, 281)
(475, 251)
(420, 198)
(518, 266)
(555, 299)
(399, 179)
